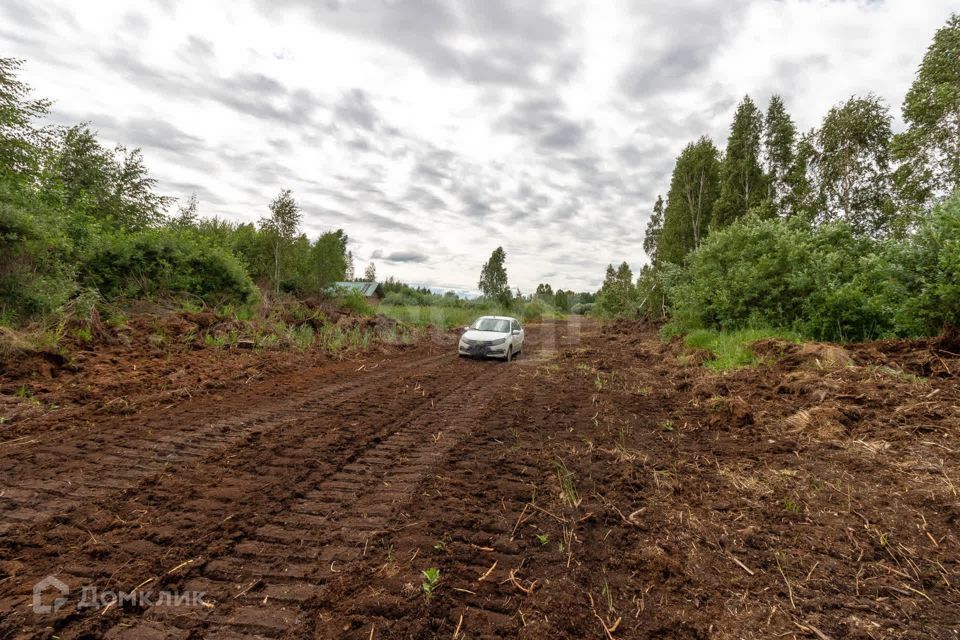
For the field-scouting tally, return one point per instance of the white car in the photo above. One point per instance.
(494, 336)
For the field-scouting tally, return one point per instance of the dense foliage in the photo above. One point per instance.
(80, 219)
(844, 232)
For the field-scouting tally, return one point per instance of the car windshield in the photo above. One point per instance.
(491, 324)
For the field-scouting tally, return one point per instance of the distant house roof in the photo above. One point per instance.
(368, 289)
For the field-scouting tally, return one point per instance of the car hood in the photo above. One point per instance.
(473, 334)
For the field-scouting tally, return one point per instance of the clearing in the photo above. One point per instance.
(602, 486)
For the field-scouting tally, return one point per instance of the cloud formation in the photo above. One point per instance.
(433, 131)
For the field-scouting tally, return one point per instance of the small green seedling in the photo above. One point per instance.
(440, 546)
(543, 538)
(431, 577)
(791, 505)
(666, 425)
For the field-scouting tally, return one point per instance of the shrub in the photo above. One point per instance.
(781, 273)
(35, 279)
(923, 275)
(164, 261)
(356, 302)
(533, 311)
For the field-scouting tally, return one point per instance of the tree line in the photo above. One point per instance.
(81, 220)
(844, 231)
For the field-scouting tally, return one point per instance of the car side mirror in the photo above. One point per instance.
(516, 332)
(466, 328)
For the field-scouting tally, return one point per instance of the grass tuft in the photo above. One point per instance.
(732, 349)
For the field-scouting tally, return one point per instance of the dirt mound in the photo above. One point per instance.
(821, 422)
(948, 341)
(729, 412)
(157, 355)
(790, 354)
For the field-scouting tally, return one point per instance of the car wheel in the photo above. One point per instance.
(509, 357)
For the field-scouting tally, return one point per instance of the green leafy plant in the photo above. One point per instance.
(431, 578)
(543, 538)
(568, 490)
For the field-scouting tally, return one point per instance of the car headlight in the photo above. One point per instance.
(494, 343)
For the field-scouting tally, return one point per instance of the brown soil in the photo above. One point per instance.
(597, 487)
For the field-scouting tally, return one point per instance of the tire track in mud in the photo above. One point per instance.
(334, 523)
(377, 472)
(50, 479)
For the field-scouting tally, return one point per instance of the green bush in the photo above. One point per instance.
(922, 281)
(533, 311)
(824, 282)
(356, 302)
(34, 278)
(165, 261)
(781, 273)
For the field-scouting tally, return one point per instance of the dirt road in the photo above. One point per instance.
(597, 487)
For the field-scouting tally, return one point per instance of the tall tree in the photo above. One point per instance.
(741, 178)
(350, 271)
(328, 259)
(617, 294)
(19, 138)
(651, 240)
(693, 191)
(852, 165)
(493, 277)
(282, 225)
(187, 213)
(112, 186)
(801, 197)
(779, 137)
(370, 273)
(544, 292)
(561, 300)
(930, 147)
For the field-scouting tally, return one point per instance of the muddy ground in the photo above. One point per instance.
(604, 485)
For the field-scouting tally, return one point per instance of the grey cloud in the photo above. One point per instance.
(182, 190)
(354, 107)
(634, 155)
(424, 199)
(564, 136)
(136, 24)
(381, 221)
(197, 49)
(25, 15)
(671, 69)
(159, 134)
(475, 206)
(363, 217)
(512, 36)
(542, 119)
(404, 256)
(686, 36)
(148, 133)
(253, 94)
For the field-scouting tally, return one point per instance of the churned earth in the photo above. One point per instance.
(603, 485)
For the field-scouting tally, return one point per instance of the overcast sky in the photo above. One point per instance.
(432, 131)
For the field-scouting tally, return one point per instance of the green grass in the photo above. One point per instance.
(452, 317)
(731, 349)
(444, 317)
